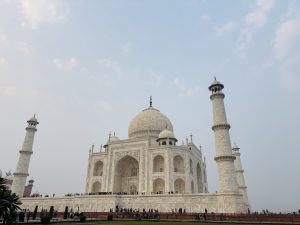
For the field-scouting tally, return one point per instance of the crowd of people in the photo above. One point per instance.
(136, 213)
(102, 193)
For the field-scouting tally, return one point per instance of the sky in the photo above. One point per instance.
(86, 68)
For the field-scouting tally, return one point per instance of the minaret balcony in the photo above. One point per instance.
(225, 158)
(21, 174)
(221, 126)
(26, 152)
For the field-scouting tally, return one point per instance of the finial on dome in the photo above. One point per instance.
(215, 78)
(150, 101)
(33, 121)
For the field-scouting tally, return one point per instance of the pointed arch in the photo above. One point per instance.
(158, 163)
(159, 186)
(126, 174)
(98, 168)
(133, 190)
(179, 186)
(96, 187)
(178, 163)
(199, 179)
(191, 166)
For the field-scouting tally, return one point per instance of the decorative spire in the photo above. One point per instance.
(150, 101)
(235, 147)
(191, 135)
(216, 86)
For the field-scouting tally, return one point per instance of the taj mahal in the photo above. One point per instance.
(150, 169)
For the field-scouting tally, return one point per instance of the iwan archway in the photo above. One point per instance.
(126, 178)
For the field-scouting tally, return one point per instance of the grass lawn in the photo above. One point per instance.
(148, 223)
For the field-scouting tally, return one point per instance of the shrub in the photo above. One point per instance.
(21, 216)
(9, 203)
(110, 217)
(45, 219)
(66, 212)
(82, 218)
(35, 212)
(51, 211)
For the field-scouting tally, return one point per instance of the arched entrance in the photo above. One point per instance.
(179, 186)
(178, 164)
(199, 179)
(96, 187)
(126, 175)
(191, 166)
(98, 169)
(159, 186)
(158, 164)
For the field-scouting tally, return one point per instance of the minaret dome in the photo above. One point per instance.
(32, 122)
(216, 86)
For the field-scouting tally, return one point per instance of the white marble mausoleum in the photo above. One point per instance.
(150, 169)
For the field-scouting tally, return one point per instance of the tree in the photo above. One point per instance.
(35, 212)
(9, 203)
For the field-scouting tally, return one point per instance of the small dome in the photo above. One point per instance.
(31, 181)
(33, 119)
(235, 147)
(166, 133)
(215, 83)
(150, 121)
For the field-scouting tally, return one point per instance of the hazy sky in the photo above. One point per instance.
(88, 67)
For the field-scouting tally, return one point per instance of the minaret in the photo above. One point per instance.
(240, 173)
(21, 173)
(224, 157)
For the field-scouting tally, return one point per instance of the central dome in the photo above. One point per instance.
(150, 121)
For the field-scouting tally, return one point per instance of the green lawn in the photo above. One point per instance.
(148, 223)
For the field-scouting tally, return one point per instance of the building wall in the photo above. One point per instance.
(145, 152)
(218, 203)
